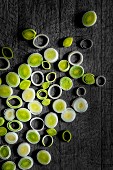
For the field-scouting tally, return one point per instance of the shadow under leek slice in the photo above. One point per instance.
(51, 120)
(63, 65)
(7, 52)
(66, 136)
(24, 84)
(23, 115)
(12, 79)
(59, 105)
(15, 125)
(29, 34)
(14, 102)
(2, 121)
(35, 60)
(88, 78)
(5, 91)
(24, 71)
(11, 137)
(9, 165)
(68, 115)
(35, 107)
(47, 140)
(43, 157)
(5, 152)
(51, 55)
(76, 71)
(28, 95)
(68, 41)
(89, 18)
(42, 94)
(3, 131)
(33, 136)
(9, 114)
(80, 105)
(66, 83)
(51, 132)
(25, 163)
(23, 149)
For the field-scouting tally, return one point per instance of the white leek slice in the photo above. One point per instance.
(80, 105)
(68, 115)
(35, 107)
(51, 55)
(23, 149)
(11, 137)
(28, 95)
(9, 114)
(59, 105)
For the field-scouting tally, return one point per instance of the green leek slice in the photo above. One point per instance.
(2, 121)
(28, 95)
(80, 105)
(24, 71)
(23, 149)
(35, 107)
(63, 65)
(35, 60)
(68, 115)
(9, 114)
(0, 81)
(46, 102)
(68, 42)
(59, 105)
(51, 120)
(89, 18)
(24, 84)
(88, 78)
(51, 55)
(66, 83)
(46, 65)
(45, 85)
(25, 163)
(5, 152)
(76, 72)
(3, 131)
(51, 77)
(33, 136)
(7, 52)
(66, 136)
(11, 137)
(18, 126)
(47, 140)
(5, 91)
(51, 132)
(12, 98)
(29, 34)
(42, 94)
(23, 115)
(9, 165)
(12, 79)
(43, 157)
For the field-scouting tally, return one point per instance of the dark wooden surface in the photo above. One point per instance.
(92, 145)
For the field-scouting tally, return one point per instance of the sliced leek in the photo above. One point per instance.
(23, 149)
(24, 71)
(33, 136)
(68, 42)
(5, 152)
(59, 105)
(80, 105)
(25, 163)
(23, 115)
(51, 55)
(28, 95)
(5, 91)
(51, 120)
(7, 52)
(29, 34)
(2, 121)
(39, 78)
(24, 84)
(12, 79)
(11, 137)
(35, 60)
(63, 65)
(47, 140)
(46, 65)
(66, 136)
(66, 83)
(51, 132)
(9, 165)
(42, 94)
(7, 63)
(43, 157)
(37, 123)
(44, 38)
(76, 71)
(3, 131)
(15, 125)
(12, 98)
(35, 107)
(9, 114)
(68, 115)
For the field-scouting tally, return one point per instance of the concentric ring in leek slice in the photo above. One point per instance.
(11, 137)
(89, 18)
(29, 34)
(5, 152)
(54, 91)
(15, 125)
(42, 94)
(5, 91)
(5, 62)
(68, 42)
(51, 132)
(81, 91)
(35, 60)
(66, 83)
(51, 55)
(9, 114)
(7, 52)
(68, 115)
(24, 84)
(100, 81)
(80, 105)
(47, 140)
(33, 136)
(25, 163)
(59, 105)
(46, 102)
(37, 78)
(9, 165)
(51, 77)
(23, 149)
(35, 107)
(23, 115)
(41, 41)
(46, 65)
(66, 136)
(43, 157)
(28, 95)
(24, 71)
(1, 121)
(88, 78)
(0, 81)
(45, 85)
(17, 99)
(75, 58)
(37, 123)
(76, 72)
(3, 131)
(12, 79)
(51, 120)
(63, 65)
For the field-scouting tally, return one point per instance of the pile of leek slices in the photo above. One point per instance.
(26, 79)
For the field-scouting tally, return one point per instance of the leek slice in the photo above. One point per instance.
(46, 102)
(89, 18)
(43, 157)
(33, 136)
(57, 89)
(12, 79)
(47, 140)
(23, 115)
(68, 115)
(35, 60)
(7, 52)
(5, 152)
(88, 78)
(2, 121)
(59, 105)
(80, 105)
(23, 149)
(5, 91)
(3, 131)
(18, 126)
(51, 55)
(25, 163)
(35, 107)
(24, 71)
(9, 165)
(39, 78)
(63, 65)
(66, 136)
(66, 83)
(9, 114)
(68, 42)
(25, 84)
(0, 81)
(44, 41)
(76, 56)
(29, 34)
(11, 137)
(37, 123)
(45, 85)
(51, 120)
(12, 98)
(7, 63)
(51, 132)
(46, 65)
(81, 91)
(42, 94)
(51, 77)
(76, 71)
(28, 95)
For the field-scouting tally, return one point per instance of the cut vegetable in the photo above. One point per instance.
(46, 102)
(12, 79)
(88, 78)
(63, 65)
(5, 91)
(41, 41)
(39, 78)
(33, 136)
(3, 131)
(5, 152)
(24, 71)
(35, 107)
(25, 163)
(43, 157)
(68, 42)
(51, 55)
(47, 141)
(46, 65)
(66, 136)
(9, 114)
(25, 84)
(86, 43)
(51, 77)
(76, 71)
(17, 99)
(45, 85)
(59, 105)
(1, 121)
(28, 95)
(80, 105)
(54, 91)
(81, 91)
(89, 18)
(9, 165)
(100, 81)
(37, 123)
(0, 81)
(75, 58)
(29, 34)
(68, 115)
(51, 132)
(42, 94)
(7, 52)
(66, 83)
(23, 149)
(15, 125)
(11, 137)
(6, 63)
(51, 120)
(35, 60)
(23, 114)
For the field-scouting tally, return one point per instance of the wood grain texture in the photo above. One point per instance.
(91, 147)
